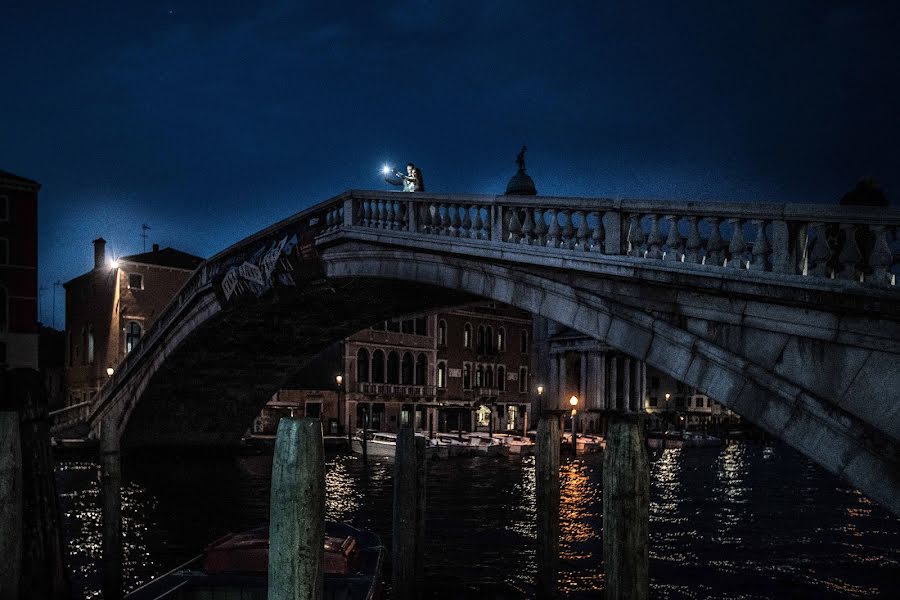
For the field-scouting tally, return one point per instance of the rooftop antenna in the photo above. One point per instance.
(41, 291)
(144, 229)
(56, 284)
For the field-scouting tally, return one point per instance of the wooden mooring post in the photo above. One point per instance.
(10, 506)
(111, 505)
(547, 504)
(42, 568)
(626, 509)
(297, 512)
(408, 538)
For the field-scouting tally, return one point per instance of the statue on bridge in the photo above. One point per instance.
(520, 158)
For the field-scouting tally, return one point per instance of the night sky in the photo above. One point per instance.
(211, 120)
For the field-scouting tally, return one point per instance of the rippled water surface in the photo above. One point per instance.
(742, 521)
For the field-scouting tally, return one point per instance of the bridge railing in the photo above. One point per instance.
(828, 242)
(68, 416)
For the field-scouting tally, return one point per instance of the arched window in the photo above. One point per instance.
(501, 340)
(501, 379)
(467, 376)
(90, 344)
(442, 375)
(523, 342)
(479, 376)
(362, 366)
(442, 333)
(132, 335)
(489, 377)
(479, 341)
(421, 366)
(378, 366)
(467, 336)
(406, 369)
(489, 341)
(393, 367)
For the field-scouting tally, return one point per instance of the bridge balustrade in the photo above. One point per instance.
(397, 390)
(825, 242)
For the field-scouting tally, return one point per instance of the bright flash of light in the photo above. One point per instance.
(385, 169)
(113, 264)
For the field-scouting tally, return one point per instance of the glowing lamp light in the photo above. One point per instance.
(113, 264)
(573, 401)
(339, 379)
(540, 390)
(385, 169)
(110, 371)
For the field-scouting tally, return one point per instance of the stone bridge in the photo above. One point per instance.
(787, 314)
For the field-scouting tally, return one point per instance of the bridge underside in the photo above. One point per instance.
(821, 380)
(210, 388)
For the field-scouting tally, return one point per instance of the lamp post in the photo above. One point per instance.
(574, 402)
(668, 395)
(110, 371)
(540, 391)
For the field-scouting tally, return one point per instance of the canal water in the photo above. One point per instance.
(742, 521)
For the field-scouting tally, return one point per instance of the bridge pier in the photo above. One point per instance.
(626, 509)
(111, 503)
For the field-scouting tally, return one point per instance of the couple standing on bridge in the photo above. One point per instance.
(412, 181)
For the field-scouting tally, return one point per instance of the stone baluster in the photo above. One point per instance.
(477, 224)
(527, 228)
(379, 213)
(514, 227)
(485, 233)
(598, 234)
(694, 243)
(329, 219)
(880, 258)
(388, 222)
(425, 217)
(366, 213)
(673, 241)
(445, 219)
(820, 255)
(453, 231)
(568, 232)
(715, 246)
(635, 236)
(737, 245)
(466, 223)
(582, 235)
(654, 240)
(761, 247)
(401, 215)
(849, 256)
(540, 227)
(553, 233)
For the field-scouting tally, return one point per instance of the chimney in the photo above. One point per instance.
(156, 247)
(99, 253)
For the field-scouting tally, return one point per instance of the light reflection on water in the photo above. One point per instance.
(741, 521)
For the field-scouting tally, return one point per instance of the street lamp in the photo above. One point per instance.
(574, 402)
(540, 390)
(668, 395)
(339, 380)
(110, 371)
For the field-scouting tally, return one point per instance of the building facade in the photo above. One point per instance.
(463, 369)
(109, 308)
(672, 404)
(18, 272)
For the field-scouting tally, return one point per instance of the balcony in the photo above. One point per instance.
(396, 390)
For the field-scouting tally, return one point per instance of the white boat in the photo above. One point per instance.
(585, 442)
(483, 443)
(515, 444)
(698, 439)
(382, 443)
(453, 445)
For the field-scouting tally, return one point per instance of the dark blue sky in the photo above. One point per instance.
(210, 120)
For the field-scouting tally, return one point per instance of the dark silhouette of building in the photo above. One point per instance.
(18, 271)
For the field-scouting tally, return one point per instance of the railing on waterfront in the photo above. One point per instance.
(395, 390)
(69, 416)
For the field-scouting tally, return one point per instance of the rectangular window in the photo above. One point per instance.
(523, 379)
(408, 326)
(512, 417)
(467, 376)
(393, 326)
(421, 326)
(135, 281)
(313, 409)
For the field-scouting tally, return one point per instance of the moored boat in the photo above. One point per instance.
(381, 443)
(236, 566)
